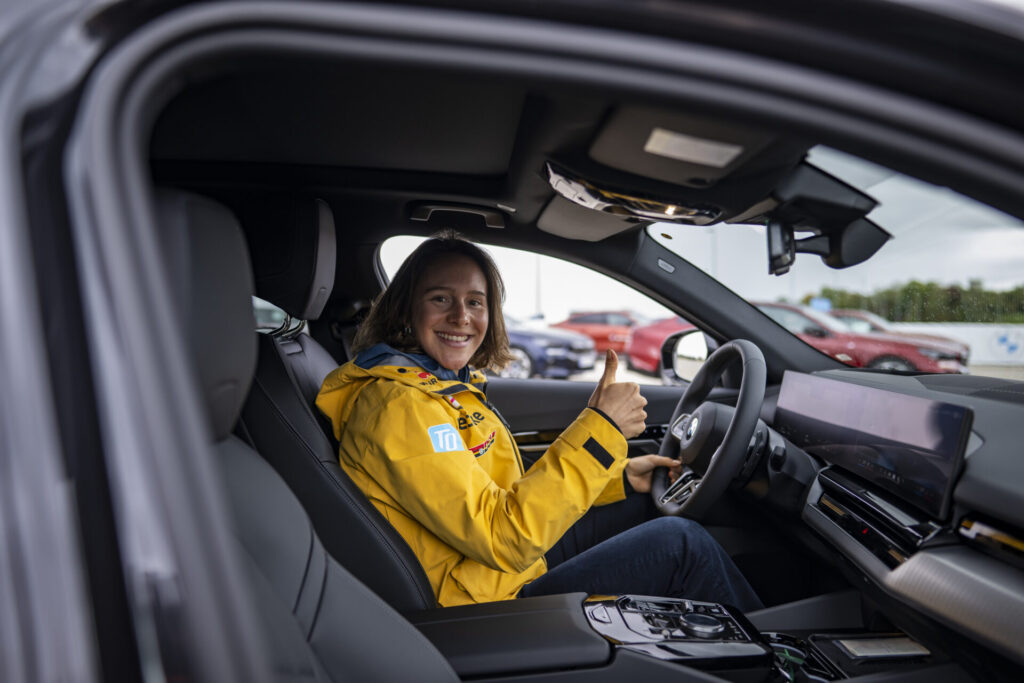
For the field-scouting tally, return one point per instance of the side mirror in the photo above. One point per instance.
(682, 355)
(814, 331)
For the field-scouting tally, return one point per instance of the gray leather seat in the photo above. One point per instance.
(321, 622)
(295, 269)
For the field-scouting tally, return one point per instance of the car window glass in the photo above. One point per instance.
(947, 289)
(268, 316)
(616, 319)
(549, 325)
(858, 325)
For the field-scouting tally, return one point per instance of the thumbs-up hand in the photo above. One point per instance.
(620, 401)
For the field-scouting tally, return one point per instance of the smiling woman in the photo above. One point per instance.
(451, 479)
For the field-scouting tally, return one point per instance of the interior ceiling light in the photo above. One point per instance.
(585, 193)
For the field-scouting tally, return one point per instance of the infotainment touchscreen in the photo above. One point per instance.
(907, 445)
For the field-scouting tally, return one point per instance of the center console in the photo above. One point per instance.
(598, 639)
(702, 635)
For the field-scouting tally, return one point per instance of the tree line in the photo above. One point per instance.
(930, 302)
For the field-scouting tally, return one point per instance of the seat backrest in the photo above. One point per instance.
(283, 424)
(321, 622)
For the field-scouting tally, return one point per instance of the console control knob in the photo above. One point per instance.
(702, 625)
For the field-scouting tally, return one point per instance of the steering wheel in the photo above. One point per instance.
(705, 478)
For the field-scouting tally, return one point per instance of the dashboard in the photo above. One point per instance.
(918, 485)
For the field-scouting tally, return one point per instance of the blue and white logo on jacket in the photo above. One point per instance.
(444, 438)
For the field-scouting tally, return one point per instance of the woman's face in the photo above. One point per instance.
(449, 313)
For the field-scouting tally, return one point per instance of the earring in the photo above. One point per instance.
(407, 331)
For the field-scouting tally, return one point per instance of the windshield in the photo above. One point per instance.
(949, 284)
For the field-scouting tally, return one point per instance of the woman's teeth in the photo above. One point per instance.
(453, 337)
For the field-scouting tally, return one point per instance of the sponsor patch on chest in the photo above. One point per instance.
(445, 438)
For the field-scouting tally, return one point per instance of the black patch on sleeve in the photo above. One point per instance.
(599, 452)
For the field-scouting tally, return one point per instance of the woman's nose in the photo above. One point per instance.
(459, 313)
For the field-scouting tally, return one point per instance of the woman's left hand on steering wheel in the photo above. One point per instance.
(639, 469)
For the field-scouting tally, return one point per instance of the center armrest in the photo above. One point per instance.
(512, 636)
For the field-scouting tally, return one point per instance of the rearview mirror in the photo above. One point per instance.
(682, 356)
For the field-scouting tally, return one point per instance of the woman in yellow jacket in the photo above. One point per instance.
(418, 436)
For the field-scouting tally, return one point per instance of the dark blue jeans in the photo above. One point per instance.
(667, 556)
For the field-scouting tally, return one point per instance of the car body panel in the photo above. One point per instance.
(943, 100)
(608, 329)
(944, 345)
(644, 346)
(857, 350)
(553, 353)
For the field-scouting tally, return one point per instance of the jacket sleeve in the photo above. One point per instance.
(616, 489)
(450, 494)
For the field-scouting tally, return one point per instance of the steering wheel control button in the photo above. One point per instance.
(702, 625)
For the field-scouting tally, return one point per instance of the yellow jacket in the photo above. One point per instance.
(443, 468)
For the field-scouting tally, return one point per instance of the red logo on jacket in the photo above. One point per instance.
(483, 448)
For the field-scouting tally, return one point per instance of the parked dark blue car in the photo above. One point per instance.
(546, 352)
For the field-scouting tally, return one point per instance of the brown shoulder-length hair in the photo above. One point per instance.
(390, 317)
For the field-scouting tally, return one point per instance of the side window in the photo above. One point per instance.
(268, 316)
(859, 326)
(619, 319)
(553, 309)
(271, 319)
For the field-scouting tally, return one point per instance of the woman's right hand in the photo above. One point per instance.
(620, 401)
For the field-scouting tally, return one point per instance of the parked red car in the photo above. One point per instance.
(886, 351)
(644, 345)
(868, 323)
(608, 329)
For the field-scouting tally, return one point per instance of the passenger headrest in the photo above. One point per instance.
(208, 263)
(294, 254)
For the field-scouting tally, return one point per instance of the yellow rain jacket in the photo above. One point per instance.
(443, 468)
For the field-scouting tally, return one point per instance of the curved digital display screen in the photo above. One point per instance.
(907, 445)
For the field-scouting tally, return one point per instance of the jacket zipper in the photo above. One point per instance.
(508, 430)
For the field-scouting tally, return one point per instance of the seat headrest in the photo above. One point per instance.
(208, 263)
(294, 254)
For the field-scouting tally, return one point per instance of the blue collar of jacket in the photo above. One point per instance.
(384, 354)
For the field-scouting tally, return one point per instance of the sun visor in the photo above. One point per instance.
(563, 218)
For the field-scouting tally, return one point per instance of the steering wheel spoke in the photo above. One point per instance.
(677, 429)
(682, 488)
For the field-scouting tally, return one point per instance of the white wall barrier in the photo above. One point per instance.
(991, 343)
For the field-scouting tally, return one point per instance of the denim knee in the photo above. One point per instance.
(689, 536)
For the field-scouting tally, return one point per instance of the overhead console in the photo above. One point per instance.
(647, 164)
